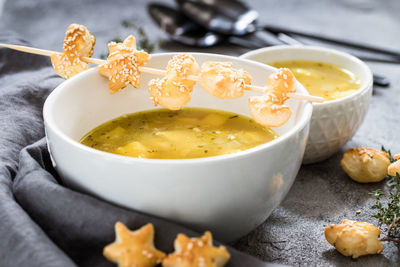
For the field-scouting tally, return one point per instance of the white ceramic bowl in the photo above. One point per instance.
(228, 194)
(334, 122)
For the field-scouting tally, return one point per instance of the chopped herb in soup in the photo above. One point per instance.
(183, 134)
(322, 79)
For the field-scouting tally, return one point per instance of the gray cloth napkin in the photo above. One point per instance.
(43, 223)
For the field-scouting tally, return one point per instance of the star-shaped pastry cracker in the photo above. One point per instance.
(122, 66)
(199, 252)
(134, 248)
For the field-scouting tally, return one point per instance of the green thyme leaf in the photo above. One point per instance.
(387, 206)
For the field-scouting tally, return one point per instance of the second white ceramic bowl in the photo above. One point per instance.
(228, 194)
(334, 122)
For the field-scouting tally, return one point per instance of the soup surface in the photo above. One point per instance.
(322, 79)
(183, 134)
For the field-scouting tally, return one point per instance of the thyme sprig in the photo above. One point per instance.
(387, 206)
(142, 37)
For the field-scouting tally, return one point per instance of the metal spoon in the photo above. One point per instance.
(183, 30)
(213, 15)
(233, 17)
(228, 17)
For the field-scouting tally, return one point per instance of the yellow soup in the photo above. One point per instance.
(322, 79)
(183, 134)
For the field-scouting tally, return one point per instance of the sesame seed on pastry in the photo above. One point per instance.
(223, 81)
(134, 248)
(196, 252)
(174, 90)
(122, 65)
(78, 43)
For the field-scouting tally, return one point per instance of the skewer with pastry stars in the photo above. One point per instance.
(125, 63)
(154, 71)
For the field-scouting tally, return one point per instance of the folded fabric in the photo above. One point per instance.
(43, 223)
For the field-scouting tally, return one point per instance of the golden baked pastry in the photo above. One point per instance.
(168, 93)
(134, 248)
(268, 114)
(279, 84)
(78, 42)
(223, 81)
(196, 252)
(394, 168)
(174, 90)
(269, 109)
(353, 238)
(365, 165)
(180, 67)
(122, 66)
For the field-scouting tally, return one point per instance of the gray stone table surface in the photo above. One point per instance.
(322, 194)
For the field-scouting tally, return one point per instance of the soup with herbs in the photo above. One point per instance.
(184, 134)
(322, 79)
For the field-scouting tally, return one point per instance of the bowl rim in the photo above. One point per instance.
(49, 122)
(279, 48)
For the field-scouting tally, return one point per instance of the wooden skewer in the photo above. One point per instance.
(96, 61)
(149, 70)
(28, 49)
(311, 98)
